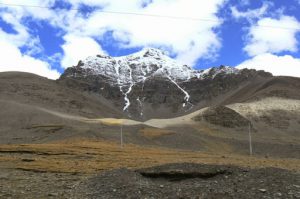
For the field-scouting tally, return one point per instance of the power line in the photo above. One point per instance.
(145, 15)
(117, 12)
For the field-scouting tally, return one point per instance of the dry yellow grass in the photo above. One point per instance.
(113, 121)
(90, 156)
(153, 133)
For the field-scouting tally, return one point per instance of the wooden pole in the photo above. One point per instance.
(250, 140)
(121, 135)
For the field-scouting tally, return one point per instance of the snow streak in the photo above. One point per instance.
(127, 101)
(187, 96)
(141, 105)
(126, 71)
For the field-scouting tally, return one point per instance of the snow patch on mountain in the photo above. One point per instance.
(126, 71)
(144, 64)
(141, 106)
(187, 96)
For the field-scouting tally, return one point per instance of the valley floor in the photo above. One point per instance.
(55, 170)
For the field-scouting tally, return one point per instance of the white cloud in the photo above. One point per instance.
(22, 36)
(11, 57)
(13, 60)
(273, 36)
(188, 39)
(78, 48)
(268, 36)
(278, 65)
(251, 14)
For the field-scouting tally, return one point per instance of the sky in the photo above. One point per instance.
(47, 36)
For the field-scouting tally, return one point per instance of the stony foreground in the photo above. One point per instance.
(98, 169)
(191, 181)
(182, 180)
(177, 180)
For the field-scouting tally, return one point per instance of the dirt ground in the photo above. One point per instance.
(62, 169)
(192, 181)
(57, 142)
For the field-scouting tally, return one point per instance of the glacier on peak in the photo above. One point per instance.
(148, 62)
(126, 71)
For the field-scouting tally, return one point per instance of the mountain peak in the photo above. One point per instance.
(127, 71)
(139, 66)
(154, 52)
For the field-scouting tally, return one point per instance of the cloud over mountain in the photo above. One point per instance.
(60, 33)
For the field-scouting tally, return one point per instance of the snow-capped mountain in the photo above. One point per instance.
(135, 77)
(139, 66)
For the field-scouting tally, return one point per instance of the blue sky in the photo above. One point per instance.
(47, 36)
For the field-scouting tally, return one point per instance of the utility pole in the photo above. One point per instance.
(121, 135)
(250, 140)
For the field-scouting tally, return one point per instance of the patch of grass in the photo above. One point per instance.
(153, 133)
(91, 156)
(50, 128)
(45, 126)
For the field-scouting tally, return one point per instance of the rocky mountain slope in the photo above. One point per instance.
(55, 136)
(164, 103)
(33, 90)
(149, 84)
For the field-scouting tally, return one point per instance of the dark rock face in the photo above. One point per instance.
(158, 96)
(174, 172)
(209, 88)
(223, 116)
(149, 84)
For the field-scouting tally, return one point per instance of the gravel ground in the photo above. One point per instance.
(191, 181)
(184, 180)
(19, 184)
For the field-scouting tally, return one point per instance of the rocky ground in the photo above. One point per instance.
(62, 142)
(102, 169)
(20, 184)
(179, 180)
(191, 181)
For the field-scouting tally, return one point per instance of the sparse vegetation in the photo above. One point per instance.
(49, 128)
(91, 156)
(153, 133)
